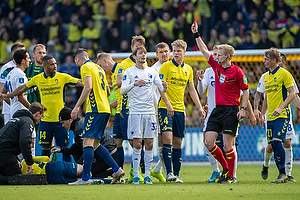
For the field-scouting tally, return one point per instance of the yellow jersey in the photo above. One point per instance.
(276, 84)
(177, 77)
(39, 165)
(51, 90)
(117, 89)
(97, 100)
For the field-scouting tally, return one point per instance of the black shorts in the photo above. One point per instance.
(223, 119)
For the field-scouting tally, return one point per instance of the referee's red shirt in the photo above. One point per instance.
(228, 83)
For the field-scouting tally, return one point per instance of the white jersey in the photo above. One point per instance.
(208, 81)
(3, 74)
(140, 98)
(156, 94)
(290, 133)
(14, 79)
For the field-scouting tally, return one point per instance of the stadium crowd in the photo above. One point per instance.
(108, 25)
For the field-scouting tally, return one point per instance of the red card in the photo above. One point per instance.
(196, 20)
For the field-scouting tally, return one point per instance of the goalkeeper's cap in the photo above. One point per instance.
(65, 114)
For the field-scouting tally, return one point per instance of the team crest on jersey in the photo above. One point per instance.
(185, 73)
(212, 84)
(222, 78)
(161, 76)
(275, 79)
(120, 71)
(56, 80)
(21, 80)
(124, 77)
(150, 75)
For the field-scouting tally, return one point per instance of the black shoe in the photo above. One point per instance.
(223, 176)
(227, 180)
(290, 178)
(265, 172)
(282, 178)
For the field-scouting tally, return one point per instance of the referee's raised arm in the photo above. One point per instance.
(199, 41)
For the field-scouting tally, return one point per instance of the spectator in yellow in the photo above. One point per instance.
(74, 29)
(147, 24)
(233, 39)
(90, 32)
(273, 33)
(287, 34)
(4, 42)
(166, 23)
(22, 38)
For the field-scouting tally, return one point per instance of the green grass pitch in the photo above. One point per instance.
(249, 185)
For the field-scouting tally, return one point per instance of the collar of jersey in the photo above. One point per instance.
(176, 64)
(131, 58)
(48, 76)
(88, 61)
(114, 67)
(275, 70)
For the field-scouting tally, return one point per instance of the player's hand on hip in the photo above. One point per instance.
(277, 112)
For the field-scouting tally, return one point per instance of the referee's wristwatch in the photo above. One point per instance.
(243, 107)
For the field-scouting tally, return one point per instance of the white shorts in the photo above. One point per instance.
(142, 126)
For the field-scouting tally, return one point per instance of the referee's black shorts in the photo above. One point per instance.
(223, 119)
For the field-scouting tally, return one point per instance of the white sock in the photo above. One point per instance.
(136, 159)
(148, 159)
(235, 162)
(267, 158)
(213, 162)
(288, 161)
(159, 164)
(33, 152)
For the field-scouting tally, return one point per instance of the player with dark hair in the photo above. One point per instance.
(51, 86)
(5, 69)
(97, 114)
(15, 138)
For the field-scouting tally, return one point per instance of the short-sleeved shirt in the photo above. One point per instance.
(97, 100)
(33, 95)
(125, 64)
(4, 71)
(276, 84)
(228, 83)
(15, 79)
(177, 76)
(51, 90)
(117, 89)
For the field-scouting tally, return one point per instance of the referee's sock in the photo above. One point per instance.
(218, 154)
(167, 155)
(230, 156)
